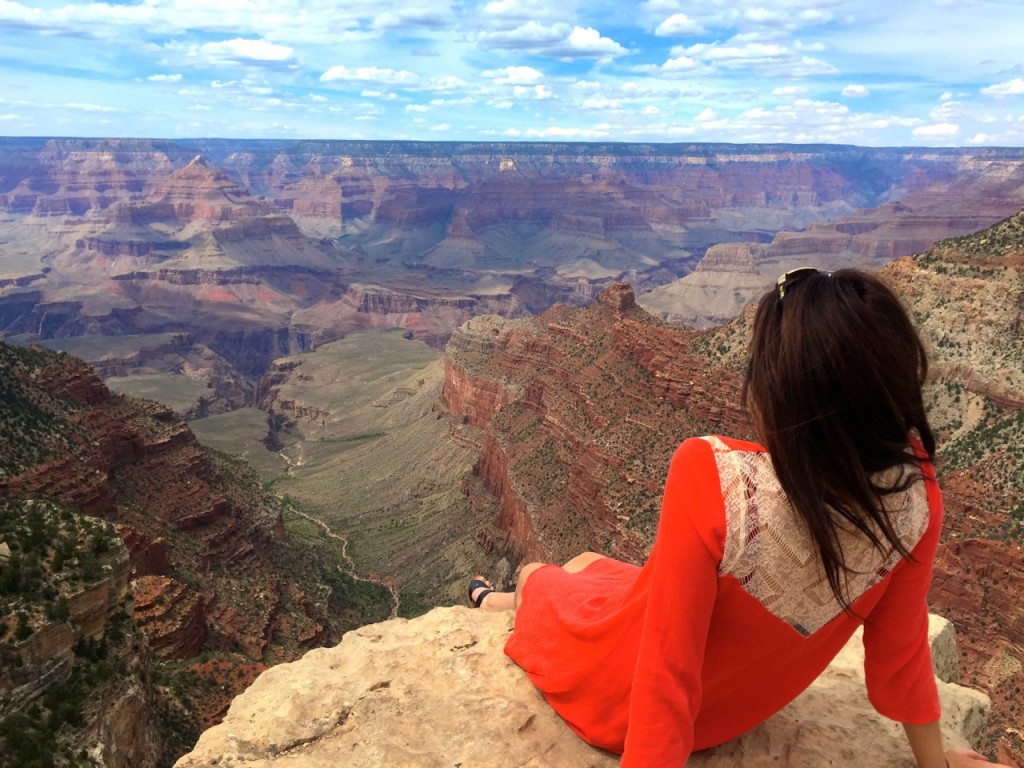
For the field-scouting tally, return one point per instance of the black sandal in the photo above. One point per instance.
(474, 585)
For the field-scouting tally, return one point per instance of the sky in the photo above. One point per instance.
(868, 72)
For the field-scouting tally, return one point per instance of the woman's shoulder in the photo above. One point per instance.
(715, 445)
(722, 444)
(706, 455)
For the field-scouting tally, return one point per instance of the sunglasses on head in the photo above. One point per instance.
(788, 278)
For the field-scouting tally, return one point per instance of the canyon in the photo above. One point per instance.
(465, 357)
(130, 546)
(208, 259)
(569, 418)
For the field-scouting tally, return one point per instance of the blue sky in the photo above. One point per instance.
(898, 72)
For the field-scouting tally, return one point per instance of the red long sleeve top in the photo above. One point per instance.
(729, 619)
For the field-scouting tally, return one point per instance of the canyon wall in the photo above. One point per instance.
(256, 249)
(182, 553)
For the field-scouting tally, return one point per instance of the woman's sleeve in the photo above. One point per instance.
(897, 656)
(666, 692)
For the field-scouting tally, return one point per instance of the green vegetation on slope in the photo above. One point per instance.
(243, 433)
(379, 463)
(55, 554)
(1002, 238)
(29, 431)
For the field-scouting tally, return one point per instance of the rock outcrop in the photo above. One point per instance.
(966, 295)
(438, 691)
(579, 411)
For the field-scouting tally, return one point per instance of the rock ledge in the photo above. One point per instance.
(438, 691)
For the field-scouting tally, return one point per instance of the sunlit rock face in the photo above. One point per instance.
(439, 691)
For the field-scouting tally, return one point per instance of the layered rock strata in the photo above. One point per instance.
(579, 411)
(229, 240)
(213, 570)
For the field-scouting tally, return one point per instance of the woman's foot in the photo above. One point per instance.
(479, 589)
(483, 595)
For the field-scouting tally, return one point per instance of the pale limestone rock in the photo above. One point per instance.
(438, 691)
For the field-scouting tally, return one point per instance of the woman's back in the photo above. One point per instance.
(766, 559)
(709, 630)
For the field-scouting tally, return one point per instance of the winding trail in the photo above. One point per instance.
(349, 563)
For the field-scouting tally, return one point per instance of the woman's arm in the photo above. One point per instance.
(926, 743)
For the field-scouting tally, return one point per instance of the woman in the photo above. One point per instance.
(767, 558)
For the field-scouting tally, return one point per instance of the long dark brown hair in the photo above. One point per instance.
(834, 385)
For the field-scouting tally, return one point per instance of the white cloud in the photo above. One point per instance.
(678, 24)
(519, 9)
(381, 75)
(816, 47)
(947, 111)
(368, 93)
(706, 115)
(661, 6)
(412, 17)
(556, 132)
(463, 102)
(807, 66)
(242, 50)
(767, 58)
(789, 91)
(936, 131)
(513, 75)
(751, 52)
(89, 107)
(558, 40)
(816, 16)
(755, 54)
(680, 64)
(600, 102)
(445, 84)
(765, 16)
(588, 42)
(1013, 87)
(531, 35)
(416, 108)
(536, 92)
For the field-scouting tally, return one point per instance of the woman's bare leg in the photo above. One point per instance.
(580, 562)
(510, 601)
(494, 601)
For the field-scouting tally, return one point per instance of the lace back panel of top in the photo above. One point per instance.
(769, 550)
